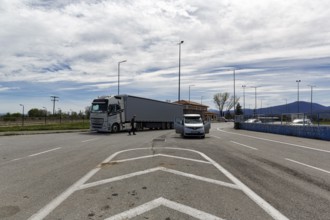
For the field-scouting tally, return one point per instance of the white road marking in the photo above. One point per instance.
(42, 213)
(253, 148)
(160, 155)
(130, 175)
(316, 168)
(167, 203)
(215, 136)
(89, 140)
(279, 142)
(252, 195)
(33, 155)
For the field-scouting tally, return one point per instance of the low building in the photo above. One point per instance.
(190, 107)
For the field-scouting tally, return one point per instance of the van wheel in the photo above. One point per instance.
(202, 137)
(115, 128)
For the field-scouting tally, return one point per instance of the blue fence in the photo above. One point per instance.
(315, 132)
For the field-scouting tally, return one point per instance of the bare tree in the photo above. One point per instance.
(230, 104)
(220, 100)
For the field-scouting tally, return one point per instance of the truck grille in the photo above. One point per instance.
(97, 122)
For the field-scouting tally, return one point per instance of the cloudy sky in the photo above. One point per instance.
(71, 49)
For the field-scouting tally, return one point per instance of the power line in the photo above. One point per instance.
(54, 99)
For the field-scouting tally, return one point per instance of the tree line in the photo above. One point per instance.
(41, 113)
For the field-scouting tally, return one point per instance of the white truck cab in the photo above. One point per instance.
(192, 125)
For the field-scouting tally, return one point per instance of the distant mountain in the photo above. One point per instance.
(304, 107)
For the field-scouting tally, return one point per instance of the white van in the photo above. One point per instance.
(192, 125)
(301, 122)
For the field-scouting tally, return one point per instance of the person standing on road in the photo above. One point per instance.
(132, 126)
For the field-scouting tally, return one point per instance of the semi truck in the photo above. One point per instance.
(113, 113)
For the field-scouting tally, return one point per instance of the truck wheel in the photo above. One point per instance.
(115, 128)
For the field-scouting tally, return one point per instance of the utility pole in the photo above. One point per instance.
(255, 100)
(54, 99)
(181, 42)
(298, 81)
(312, 86)
(244, 86)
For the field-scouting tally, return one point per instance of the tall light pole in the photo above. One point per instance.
(45, 114)
(202, 100)
(312, 86)
(22, 114)
(255, 99)
(286, 105)
(189, 91)
(60, 112)
(181, 42)
(123, 61)
(243, 86)
(298, 81)
(234, 93)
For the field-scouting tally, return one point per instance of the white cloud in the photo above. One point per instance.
(272, 42)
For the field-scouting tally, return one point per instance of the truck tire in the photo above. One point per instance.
(115, 128)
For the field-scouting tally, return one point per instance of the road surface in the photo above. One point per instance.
(231, 174)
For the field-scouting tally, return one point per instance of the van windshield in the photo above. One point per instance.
(193, 120)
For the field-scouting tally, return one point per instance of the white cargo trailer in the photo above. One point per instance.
(113, 113)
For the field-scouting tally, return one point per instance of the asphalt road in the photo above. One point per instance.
(231, 174)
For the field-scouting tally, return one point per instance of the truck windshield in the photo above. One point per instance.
(193, 120)
(99, 105)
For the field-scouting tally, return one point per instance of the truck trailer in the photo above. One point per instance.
(113, 113)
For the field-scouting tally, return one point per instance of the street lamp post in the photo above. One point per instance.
(189, 91)
(119, 72)
(234, 94)
(45, 114)
(255, 99)
(22, 114)
(202, 100)
(312, 86)
(298, 81)
(243, 86)
(60, 112)
(181, 42)
(286, 105)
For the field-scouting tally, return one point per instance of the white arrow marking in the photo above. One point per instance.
(42, 213)
(130, 175)
(161, 155)
(167, 203)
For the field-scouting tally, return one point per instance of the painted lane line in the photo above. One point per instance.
(89, 140)
(279, 142)
(216, 137)
(33, 155)
(193, 176)
(130, 175)
(160, 155)
(316, 168)
(268, 208)
(167, 203)
(253, 148)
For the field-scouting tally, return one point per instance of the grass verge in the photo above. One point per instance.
(63, 126)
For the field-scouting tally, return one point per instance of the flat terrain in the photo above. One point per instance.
(231, 174)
